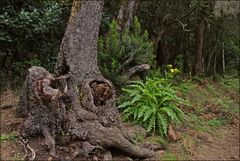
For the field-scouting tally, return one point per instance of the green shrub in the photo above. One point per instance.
(120, 51)
(152, 104)
(30, 34)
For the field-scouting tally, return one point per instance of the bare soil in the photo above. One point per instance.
(223, 145)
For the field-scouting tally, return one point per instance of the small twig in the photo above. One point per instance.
(24, 143)
(3, 107)
(182, 17)
(127, 62)
(33, 152)
(183, 26)
(25, 149)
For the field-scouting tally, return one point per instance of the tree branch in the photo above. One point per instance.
(183, 26)
(180, 18)
(136, 69)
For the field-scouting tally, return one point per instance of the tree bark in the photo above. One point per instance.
(186, 55)
(162, 54)
(76, 4)
(215, 65)
(223, 58)
(126, 13)
(210, 56)
(77, 101)
(198, 68)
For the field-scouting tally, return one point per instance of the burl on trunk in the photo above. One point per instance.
(76, 105)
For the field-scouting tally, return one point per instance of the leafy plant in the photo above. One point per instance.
(152, 104)
(30, 33)
(120, 51)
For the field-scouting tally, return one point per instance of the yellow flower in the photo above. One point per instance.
(172, 70)
(176, 70)
(169, 66)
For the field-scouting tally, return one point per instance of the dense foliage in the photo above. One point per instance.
(30, 34)
(118, 52)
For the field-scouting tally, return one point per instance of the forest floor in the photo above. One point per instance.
(211, 131)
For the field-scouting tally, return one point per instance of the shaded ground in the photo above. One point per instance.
(204, 137)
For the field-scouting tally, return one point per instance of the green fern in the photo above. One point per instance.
(152, 104)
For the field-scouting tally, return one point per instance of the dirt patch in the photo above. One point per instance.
(8, 98)
(224, 145)
(9, 123)
(10, 149)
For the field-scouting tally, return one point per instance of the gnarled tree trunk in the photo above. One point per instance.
(76, 106)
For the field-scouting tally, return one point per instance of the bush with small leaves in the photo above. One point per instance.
(120, 51)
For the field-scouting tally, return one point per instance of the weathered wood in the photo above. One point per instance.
(137, 69)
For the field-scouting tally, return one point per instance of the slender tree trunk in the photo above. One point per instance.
(215, 64)
(77, 101)
(186, 55)
(126, 14)
(162, 54)
(223, 58)
(210, 58)
(198, 68)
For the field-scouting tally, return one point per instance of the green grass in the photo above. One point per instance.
(18, 156)
(215, 123)
(226, 104)
(230, 82)
(8, 137)
(168, 156)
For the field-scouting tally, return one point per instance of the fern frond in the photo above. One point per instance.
(136, 98)
(125, 104)
(180, 115)
(152, 124)
(130, 109)
(136, 86)
(127, 90)
(170, 113)
(142, 110)
(147, 115)
(163, 123)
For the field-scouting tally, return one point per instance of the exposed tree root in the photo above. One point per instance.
(94, 122)
(25, 144)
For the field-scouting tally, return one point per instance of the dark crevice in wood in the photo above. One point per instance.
(101, 92)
